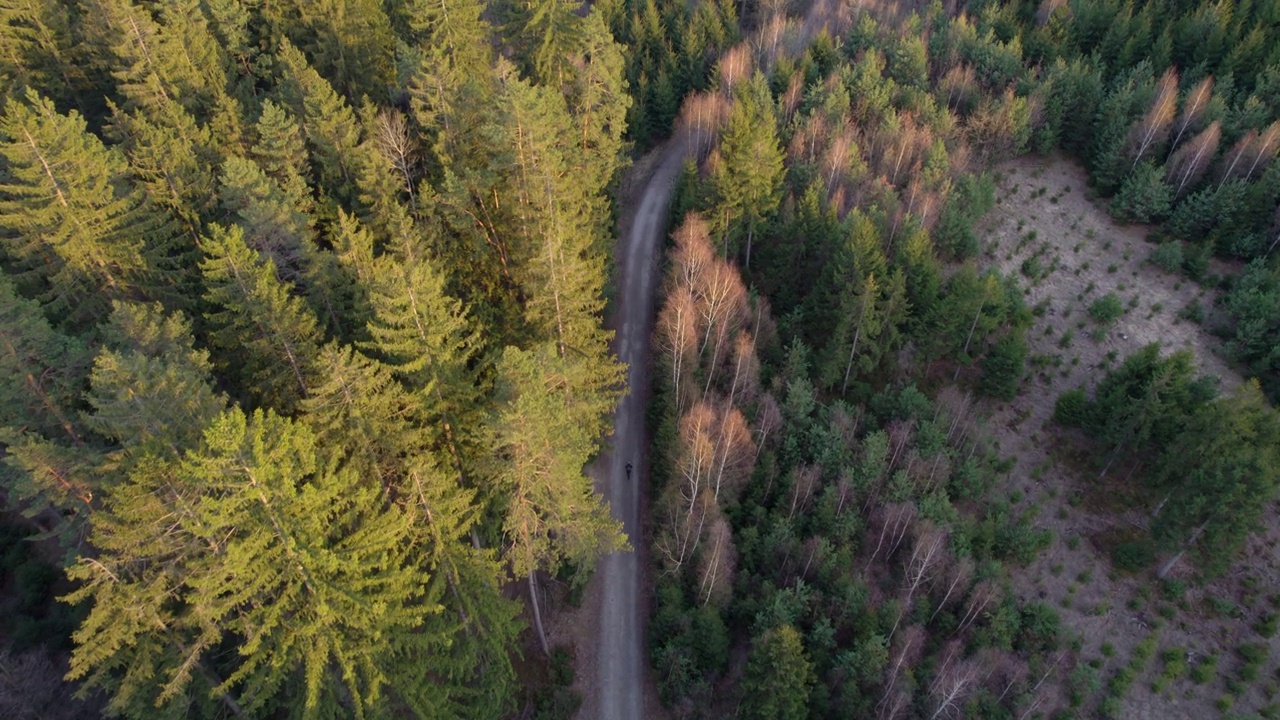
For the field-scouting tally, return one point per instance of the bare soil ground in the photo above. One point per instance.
(1067, 252)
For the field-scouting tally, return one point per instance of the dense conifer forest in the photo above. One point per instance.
(303, 352)
(303, 355)
(836, 530)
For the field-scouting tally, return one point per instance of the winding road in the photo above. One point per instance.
(620, 651)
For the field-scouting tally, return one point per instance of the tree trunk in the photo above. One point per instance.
(1106, 468)
(1169, 566)
(1035, 690)
(225, 697)
(977, 316)
(1173, 562)
(1156, 513)
(537, 614)
(945, 598)
(848, 368)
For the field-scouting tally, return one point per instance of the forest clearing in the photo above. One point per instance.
(1067, 251)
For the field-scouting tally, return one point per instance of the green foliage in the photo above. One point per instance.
(1254, 302)
(1220, 472)
(384, 230)
(1168, 256)
(41, 369)
(1175, 664)
(1205, 671)
(779, 677)
(558, 701)
(554, 514)
(249, 339)
(973, 197)
(1266, 627)
(1106, 309)
(151, 389)
(1144, 197)
(1194, 312)
(257, 315)
(335, 567)
(671, 50)
(1073, 409)
(1041, 628)
(1134, 556)
(748, 185)
(32, 617)
(1253, 653)
(1084, 682)
(1002, 367)
(70, 219)
(1148, 399)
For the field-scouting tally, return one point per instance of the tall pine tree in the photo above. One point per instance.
(268, 335)
(69, 217)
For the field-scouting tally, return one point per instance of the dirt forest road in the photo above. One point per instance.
(620, 690)
(620, 649)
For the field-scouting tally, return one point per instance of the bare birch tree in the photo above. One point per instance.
(959, 86)
(1193, 108)
(693, 255)
(809, 140)
(745, 383)
(1188, 163)
(689, 496)
(954, 680)
(677, 334)
(768, 421)
(1253, 151)
(734, 453)
(735, 66)
(1264, 150)
(1153, 127)
(398, 144)
(716, 564)
(928, 553)
(722, 301)
(804, 483)
(956, 578)
(983, 595)
(702, 117)
(888, 525)
(904, 653)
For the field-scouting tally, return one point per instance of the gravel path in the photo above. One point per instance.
(620, 647)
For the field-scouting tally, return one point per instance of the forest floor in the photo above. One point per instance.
(1066, 252)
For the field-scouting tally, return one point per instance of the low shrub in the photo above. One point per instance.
(1072, 408)
(1168, 257)
(1134, 556)
(1106, 309)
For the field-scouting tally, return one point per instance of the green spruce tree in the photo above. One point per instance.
(748, 179)
(552, 514)
(268, 336)
(70, 218)
(779, 677)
